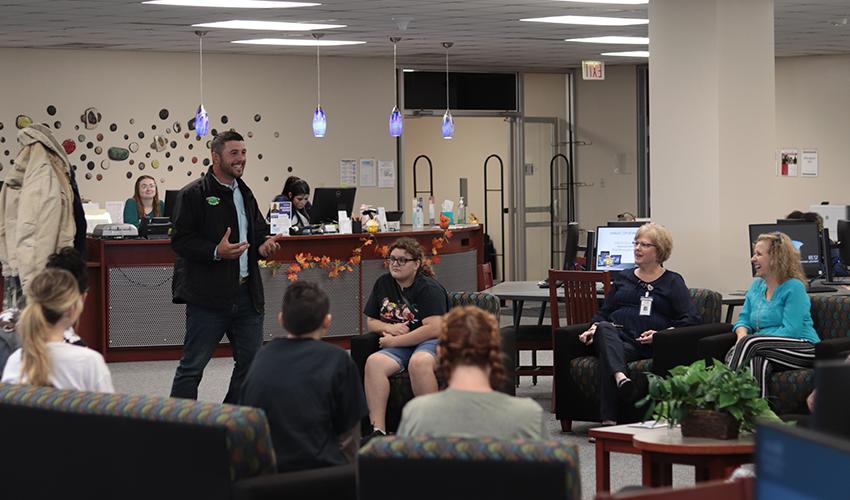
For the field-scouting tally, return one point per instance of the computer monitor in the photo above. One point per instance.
(614, 248)
(327, 202)
(571, 246)
(843, 237)
(832, 406)
(831, 214)
(804, 236)
(626, 223)
(170, 202)
(799, 464)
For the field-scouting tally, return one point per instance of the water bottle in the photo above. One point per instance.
(431, 212)
(461, 212)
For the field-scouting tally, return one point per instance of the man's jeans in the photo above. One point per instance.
(205, 328)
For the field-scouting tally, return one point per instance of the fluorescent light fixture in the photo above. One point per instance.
(408, 70)
(620, 2)
(633, 53)
(268, 26)
(232, 4)
(296, 42)
(614, 40)
(588, 20)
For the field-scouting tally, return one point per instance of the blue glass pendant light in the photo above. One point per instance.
(320, 121)
(396, 118)
(202, 122)
(448, 125)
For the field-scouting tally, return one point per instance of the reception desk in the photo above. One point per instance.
(129, 315)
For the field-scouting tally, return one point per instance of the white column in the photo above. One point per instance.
(712, 133)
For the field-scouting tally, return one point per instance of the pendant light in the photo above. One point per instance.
(396, 118)
(320, 121)
(448, 127)
(202, 122)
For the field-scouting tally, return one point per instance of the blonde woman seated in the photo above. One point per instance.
(775, 325)
(54, 304)
(470, 359)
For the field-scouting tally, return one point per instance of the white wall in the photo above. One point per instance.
(606, 117)
(356, 94)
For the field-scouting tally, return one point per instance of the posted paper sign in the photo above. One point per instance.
(280, 216)
(386, 174)
(368, 173)
(809, 163)
(788, 162)
(348, 173)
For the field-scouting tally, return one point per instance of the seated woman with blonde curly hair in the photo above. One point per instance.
(470, 360)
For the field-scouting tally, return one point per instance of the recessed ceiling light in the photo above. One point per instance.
(617, 40)
(589, 20)
(296, 42)
(633, 53)
(233, 4)
(268, 25)
(621, 2)
(408, 70)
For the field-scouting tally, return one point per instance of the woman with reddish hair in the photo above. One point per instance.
(470, 360)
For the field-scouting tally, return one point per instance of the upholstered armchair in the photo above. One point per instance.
(423, 467)
(400, 391)
(577, 378)
(787, 389)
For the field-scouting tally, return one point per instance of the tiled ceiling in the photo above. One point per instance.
(487, 33)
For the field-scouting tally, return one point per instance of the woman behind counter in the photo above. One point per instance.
(145, 202)
(297, 191)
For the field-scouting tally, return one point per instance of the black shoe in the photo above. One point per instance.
(368, 437)
(626, 389)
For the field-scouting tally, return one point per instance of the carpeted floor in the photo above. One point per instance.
(154, 378)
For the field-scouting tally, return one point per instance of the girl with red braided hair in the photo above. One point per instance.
(470, 360)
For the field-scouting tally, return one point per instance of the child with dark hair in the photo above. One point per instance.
(70, 260)
(309, 389)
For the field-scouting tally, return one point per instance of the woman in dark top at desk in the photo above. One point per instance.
(640, 302)
(297, 192)
(145, 202)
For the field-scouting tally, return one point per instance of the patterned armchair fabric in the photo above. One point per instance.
(831, 316)
(459, 455)
(708, 304)
(486, 301)
(577, 387)
(247, 431)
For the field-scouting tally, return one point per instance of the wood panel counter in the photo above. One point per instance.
(129, 315)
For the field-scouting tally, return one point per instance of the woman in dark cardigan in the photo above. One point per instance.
(641, 301)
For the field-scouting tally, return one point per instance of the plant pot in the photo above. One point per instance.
(710, 424)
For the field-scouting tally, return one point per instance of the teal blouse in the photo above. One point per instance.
(786, 314)
(131, 215)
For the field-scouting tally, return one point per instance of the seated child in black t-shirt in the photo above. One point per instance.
(309, 389)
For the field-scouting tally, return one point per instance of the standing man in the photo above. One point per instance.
(219, 234)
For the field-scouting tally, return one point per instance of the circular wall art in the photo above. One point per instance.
(51, 110)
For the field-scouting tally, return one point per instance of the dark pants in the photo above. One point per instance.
(613, 352)
(205, 328)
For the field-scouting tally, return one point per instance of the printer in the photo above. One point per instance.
(115, 231)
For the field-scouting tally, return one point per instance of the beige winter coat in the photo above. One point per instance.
(36, 211)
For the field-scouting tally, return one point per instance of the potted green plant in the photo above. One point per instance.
(709, 401)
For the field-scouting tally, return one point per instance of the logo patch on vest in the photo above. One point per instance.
(213, 200)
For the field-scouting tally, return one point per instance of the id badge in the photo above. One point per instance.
(645, 306)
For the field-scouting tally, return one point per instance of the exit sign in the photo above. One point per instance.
(593, 70)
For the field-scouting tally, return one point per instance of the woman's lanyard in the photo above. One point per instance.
(646, 300)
